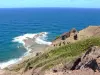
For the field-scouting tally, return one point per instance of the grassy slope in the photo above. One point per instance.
(59, 55)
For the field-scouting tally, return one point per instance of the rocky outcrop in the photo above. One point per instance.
(73, 32)
(91, 59)
(66, 38)
(87, 64)
(74, 35)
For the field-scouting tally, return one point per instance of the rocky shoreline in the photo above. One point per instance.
(88, 63)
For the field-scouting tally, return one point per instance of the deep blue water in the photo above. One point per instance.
(15, 22)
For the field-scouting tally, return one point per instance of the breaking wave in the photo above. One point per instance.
(29, 41)
(8, 63)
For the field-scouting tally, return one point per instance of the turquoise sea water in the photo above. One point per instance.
(16, 22)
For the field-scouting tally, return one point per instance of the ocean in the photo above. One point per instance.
(16, 24)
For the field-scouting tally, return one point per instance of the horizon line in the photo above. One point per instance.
(49, 7)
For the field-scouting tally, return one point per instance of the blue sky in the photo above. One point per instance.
(49, 3)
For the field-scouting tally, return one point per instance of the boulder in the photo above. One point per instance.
(91, 59)
(73, 30)
(65, 35)
(68, 34)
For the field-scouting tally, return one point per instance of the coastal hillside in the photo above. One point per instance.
(72, 53)
(74, 35)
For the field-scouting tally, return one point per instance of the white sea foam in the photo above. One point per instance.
(8, 63)
(27, 40)
(39, 38)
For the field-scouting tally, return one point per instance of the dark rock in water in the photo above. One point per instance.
(91, 59)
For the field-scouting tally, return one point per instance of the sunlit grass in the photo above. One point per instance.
(59, 55)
